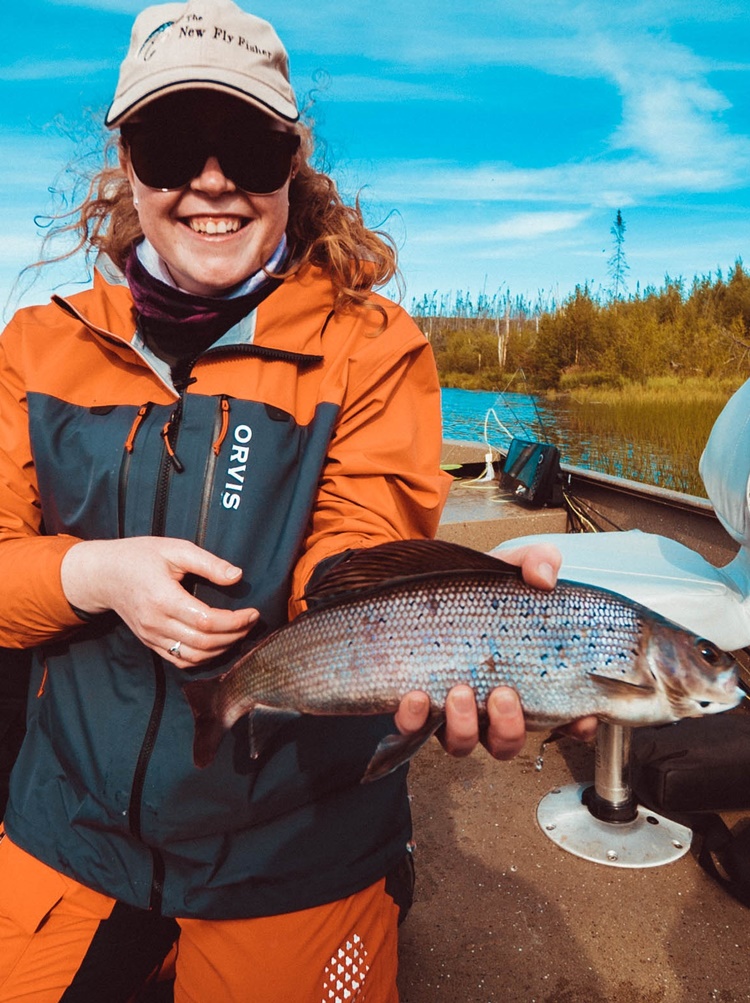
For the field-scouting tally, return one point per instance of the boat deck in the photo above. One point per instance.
(477, 514)
(501, 914)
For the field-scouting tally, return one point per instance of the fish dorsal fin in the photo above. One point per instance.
(400, 560)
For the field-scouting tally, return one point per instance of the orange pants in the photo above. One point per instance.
(50, 925)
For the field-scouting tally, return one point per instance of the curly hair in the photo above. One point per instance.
(322, 229)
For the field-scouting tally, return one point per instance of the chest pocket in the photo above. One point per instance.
(79, 454)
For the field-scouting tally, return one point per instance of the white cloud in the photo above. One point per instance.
(532, 225)
(614, 181)
(670, 138)
(520, 227)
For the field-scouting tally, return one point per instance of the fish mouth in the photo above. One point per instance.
(731, 697)
(699, 679)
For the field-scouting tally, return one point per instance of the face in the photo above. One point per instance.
(210, 233)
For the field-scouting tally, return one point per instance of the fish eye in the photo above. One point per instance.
(708, 652)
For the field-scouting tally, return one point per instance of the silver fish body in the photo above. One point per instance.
(569, 653)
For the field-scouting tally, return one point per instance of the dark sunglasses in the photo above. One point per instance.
(169, 154)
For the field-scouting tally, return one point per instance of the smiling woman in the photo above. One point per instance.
(210, 177)
(228, 413)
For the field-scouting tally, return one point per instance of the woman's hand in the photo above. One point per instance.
(140, 579)
(506, 729)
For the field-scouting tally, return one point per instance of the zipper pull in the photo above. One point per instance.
(142, 412)
(176, 462)
(224, 404)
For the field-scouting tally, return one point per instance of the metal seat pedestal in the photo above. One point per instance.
(603, 823)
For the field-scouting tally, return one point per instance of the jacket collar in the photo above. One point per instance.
(291, 321)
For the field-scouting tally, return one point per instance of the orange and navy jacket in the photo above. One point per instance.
(299, 435)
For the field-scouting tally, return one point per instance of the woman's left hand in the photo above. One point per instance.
(505, 734)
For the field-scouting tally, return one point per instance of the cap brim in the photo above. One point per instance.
(266, 100)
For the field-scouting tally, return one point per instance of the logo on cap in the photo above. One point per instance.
(148, 48)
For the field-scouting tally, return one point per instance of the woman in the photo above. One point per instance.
(228, 411)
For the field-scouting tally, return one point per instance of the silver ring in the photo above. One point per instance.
(175, 649)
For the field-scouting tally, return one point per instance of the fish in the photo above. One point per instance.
(428, 615)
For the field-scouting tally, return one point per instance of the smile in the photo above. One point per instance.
(218, 225)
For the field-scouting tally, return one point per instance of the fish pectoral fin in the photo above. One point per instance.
(633, 677)
(395, 750)
(263, 723)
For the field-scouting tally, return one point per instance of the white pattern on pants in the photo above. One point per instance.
(345, 973)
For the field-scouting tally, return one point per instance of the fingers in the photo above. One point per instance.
(412, 712)
(203, 632)
(539, 563)
(185, 558)
(461, 732)
(584, 729)
(140, 578)
(217, 632)
(506, 731)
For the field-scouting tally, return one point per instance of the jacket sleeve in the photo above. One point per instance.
(33, 607)
(382, 479)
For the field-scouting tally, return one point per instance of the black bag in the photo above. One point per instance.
(531, 470)
(699, 764)
(691, 770)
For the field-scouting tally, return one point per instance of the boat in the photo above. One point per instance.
(502, 914)
(595, 501)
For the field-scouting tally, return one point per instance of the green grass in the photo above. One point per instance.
(654, 433)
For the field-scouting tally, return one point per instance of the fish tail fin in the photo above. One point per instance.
(203, 695)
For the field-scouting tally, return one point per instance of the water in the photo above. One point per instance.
(485, 416)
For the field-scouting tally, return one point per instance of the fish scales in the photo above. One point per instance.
(428, 615)
(483, 634)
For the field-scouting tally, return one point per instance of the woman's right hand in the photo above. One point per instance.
(140, 579)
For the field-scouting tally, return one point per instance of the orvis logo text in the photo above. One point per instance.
(237, 470)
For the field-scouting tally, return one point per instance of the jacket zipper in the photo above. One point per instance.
(170, 462)
(139, 780)
(221, 426)
(122, 484)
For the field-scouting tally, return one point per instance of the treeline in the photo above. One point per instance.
(701, 329)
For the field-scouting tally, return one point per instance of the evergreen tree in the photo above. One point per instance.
(618, 266)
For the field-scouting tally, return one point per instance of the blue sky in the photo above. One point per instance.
(496, 138)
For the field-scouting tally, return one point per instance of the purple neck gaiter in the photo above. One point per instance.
(177, 325)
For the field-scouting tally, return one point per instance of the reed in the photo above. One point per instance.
(653, 433)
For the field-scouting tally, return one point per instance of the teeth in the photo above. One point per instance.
(212, 226)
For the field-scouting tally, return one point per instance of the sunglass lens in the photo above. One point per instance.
(164, 158)
(258, 161)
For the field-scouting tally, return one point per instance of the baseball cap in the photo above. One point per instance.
(210, 44)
